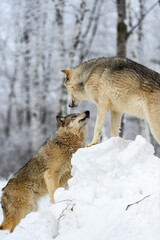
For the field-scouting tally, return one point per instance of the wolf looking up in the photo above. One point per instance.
(119, 85)
(45, 172)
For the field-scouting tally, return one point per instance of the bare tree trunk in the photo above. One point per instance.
(4, 72)
(11, 99)
(121, 39)
(45, 67)
(121, 29)
(36, 83)
(45, 77)
(13, 79)
(27, 61)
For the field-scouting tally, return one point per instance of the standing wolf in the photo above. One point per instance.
(45, 172)
(119, 85)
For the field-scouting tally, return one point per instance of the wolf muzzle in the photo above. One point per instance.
(73, 104)
(87, 114)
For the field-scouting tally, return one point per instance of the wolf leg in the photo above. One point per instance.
(52, 183)
(152, 114)
(10, 223)
(115, 124)
(16, 222)
(102, 110)
(155, 128)
(63, 180)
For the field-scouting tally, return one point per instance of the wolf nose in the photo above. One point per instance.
(73, 105)
(87, 113)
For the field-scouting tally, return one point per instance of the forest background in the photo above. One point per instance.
(38, 38)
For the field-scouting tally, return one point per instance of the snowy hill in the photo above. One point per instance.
(106, 179)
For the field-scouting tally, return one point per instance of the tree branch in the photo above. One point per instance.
(91, 18)
(94, 23)
(71, 205)
(142, 18)
(137, 202)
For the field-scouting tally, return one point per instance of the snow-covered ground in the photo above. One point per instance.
(106, 178)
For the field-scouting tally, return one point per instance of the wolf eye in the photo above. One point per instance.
(74, 118)
(67, 79)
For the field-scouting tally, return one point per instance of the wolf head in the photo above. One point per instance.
(75, 84)
(74, 120)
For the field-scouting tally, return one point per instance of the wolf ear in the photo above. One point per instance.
(60, 120)
(65, 72)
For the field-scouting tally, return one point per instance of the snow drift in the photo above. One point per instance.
(106, 179)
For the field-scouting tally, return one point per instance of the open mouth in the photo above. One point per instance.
(87, 115)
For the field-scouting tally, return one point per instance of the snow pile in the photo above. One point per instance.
(106, 178)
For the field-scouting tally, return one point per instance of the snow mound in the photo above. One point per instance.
(106, 179)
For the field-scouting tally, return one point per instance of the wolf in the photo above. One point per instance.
(119, 85)
(45, 172)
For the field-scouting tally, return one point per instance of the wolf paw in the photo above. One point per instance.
(52, 200)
